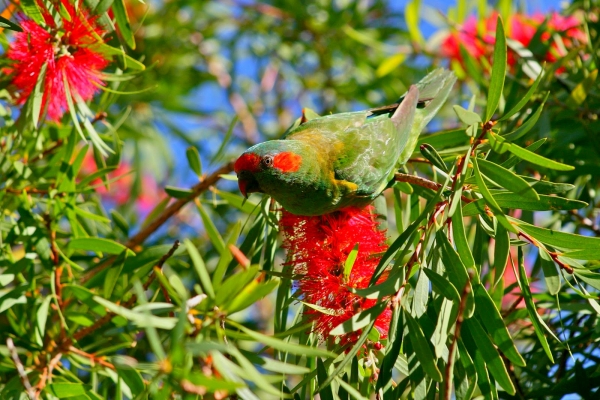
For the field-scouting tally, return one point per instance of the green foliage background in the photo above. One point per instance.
(99, 300)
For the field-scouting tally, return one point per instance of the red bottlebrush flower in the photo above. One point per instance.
(519, 27)
(318, 248)
(67, 49)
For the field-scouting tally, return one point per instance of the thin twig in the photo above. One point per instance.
(20, 368)
(47, 372)
(92, 357)
(423, 182)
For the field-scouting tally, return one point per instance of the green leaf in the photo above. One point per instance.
(113, 274)
(120, 222)
(211, 230)
(466, 116)
(193, 158)
(533, 158)
(516, 202)
(456, 270)
(589, 254)
(237, 201)
(523, 99)
(589, 277)
(64, 390)
(386, 288)
(550, 272)
(538, 324)
(460, 239)
(349, 263)
(498, 71)
(527, 125)
(131, 377)
(41, 318)
(559, 239)
(140, 319)
(581, 91)
(492, 320)
(200, 267)
(129, 61)
(253, 292)
(120, 11)
(442, 285)
(444, 139)
(351, 355)
(37, 96)
(326, 392)
(360, 320)
(98, 245)
(31, 8)
(178, 193)
(489, 199)
(234, 284)
(226, 140)
(501, 252)
(285, 346)
(88, 215)
(421, 347)
(433, 156)
(392, 349)
(411, 14)
(7, 24)
(485, 347)
(390, 64)
(507, 179)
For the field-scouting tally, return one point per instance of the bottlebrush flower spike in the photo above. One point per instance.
(67, 48)
(317, 250)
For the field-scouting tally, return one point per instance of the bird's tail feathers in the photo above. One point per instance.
(435, 86)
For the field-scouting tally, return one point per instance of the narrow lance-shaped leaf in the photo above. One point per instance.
(421, 347)
(492, 320)
(498, 71)
(123, 23)
(193, 158)
(489, 199)
(527, 125)
(200, 267)
(489, 353)
(507, 179)
(501, 252)
(500, 145)
(523, 99)
(433, 156)
(551, 274)
(538, 324)
(350, 262)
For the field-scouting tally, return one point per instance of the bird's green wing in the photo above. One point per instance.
(370, 151)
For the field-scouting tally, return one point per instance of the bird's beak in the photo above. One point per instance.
(247, 184)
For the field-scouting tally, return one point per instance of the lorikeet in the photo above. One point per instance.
(327, 163)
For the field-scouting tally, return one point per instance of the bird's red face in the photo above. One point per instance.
(250, 164)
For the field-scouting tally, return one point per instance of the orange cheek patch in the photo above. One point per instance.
(247, 162)
(287, 161)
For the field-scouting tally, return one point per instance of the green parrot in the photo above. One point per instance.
(327, 163)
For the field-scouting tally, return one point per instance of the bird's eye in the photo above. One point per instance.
(267, 161)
